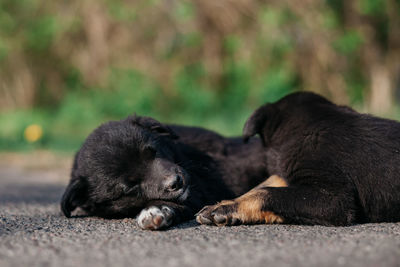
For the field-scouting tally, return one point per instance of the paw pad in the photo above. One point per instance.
(155, 218)
(220, 214)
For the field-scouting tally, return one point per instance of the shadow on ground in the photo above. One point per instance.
(30, 193)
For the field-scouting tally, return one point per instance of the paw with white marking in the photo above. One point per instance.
(155, 218)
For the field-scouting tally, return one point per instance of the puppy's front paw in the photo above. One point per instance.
(221, 214)
(155, 218)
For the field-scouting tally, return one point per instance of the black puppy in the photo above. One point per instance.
(163, 173)
(333, 166)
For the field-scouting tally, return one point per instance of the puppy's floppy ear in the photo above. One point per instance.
(263, 121)
(74, 195)
(155, 126)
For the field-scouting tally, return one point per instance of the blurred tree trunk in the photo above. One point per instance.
(216, 21)
(320, 67)
(381, 95)
(381, 64)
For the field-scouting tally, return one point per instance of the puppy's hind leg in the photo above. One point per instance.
(275, 202)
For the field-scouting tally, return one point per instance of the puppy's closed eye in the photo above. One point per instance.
(125, 190)
(131, 190)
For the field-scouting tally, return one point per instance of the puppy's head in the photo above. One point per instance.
(292, 112)
(124, 164)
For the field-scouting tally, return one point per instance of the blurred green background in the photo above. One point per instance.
(67, 66)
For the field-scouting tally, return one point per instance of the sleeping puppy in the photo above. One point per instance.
(332, 165)
(164, 174)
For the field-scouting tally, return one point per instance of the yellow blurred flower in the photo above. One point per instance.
(33, 133)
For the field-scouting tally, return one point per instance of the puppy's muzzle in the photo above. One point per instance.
(174, 183)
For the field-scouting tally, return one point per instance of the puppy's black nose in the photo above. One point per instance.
(174, 183)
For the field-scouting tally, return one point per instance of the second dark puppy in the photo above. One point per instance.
(333, 166)
(162, 173)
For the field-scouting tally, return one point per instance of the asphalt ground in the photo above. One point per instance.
(33, 232)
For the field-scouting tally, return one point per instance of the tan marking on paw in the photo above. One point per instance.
(273, 181)
(249, 209)
(225, 202)
(249, 205)
(270, 217)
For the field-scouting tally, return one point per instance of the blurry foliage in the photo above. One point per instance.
(70, 65)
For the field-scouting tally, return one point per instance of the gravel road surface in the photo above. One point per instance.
(33, 232)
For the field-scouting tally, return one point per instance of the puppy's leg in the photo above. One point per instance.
(275, 202)
(246, 209)
(160, 215)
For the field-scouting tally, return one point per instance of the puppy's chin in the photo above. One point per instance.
(185, 195)
(178, 196)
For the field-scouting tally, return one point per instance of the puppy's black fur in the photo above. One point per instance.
(125, 167)
(339, 167)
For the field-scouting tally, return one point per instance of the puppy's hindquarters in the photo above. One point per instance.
(275, 202)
